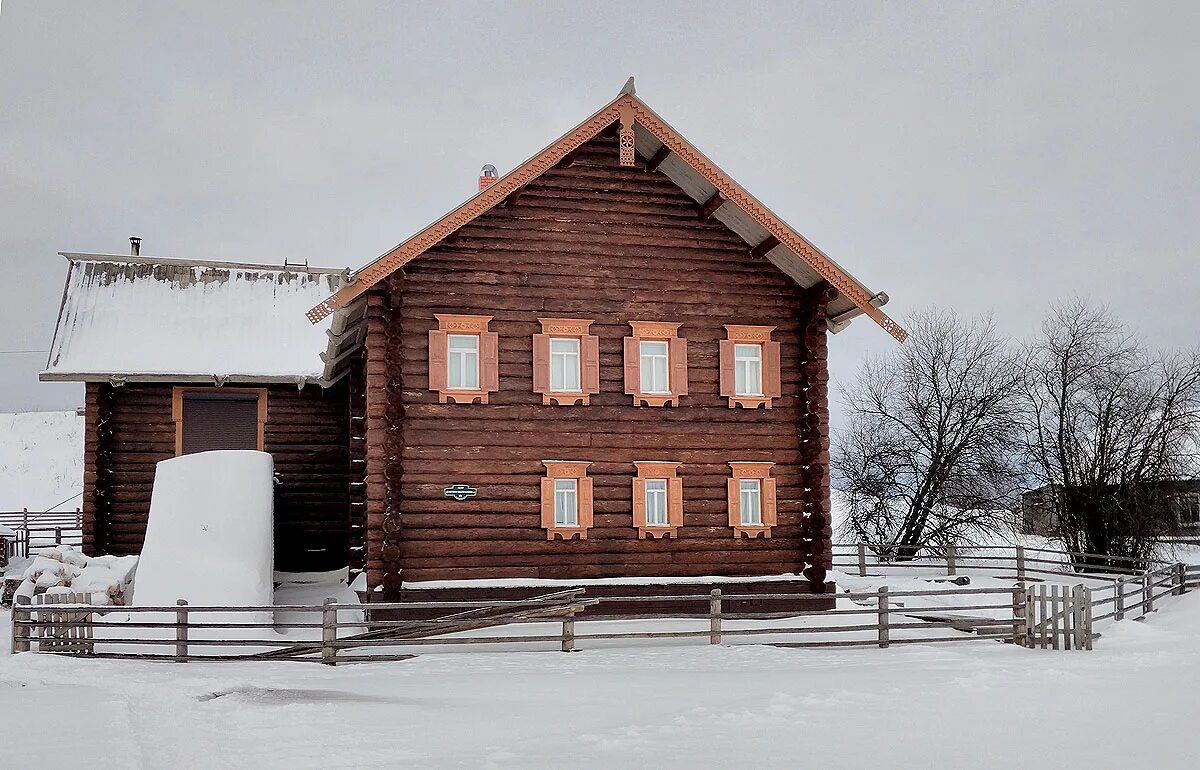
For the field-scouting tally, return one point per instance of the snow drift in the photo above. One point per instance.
(209, 537)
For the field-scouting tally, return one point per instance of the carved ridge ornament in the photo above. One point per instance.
(498, 191)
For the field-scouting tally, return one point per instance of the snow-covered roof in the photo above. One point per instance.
(158, 319)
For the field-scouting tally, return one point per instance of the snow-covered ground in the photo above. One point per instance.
(1129, 703)
(41, 460)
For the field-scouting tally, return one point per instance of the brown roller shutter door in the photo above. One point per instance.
(219, 421)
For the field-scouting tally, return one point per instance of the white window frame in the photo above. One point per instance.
(566, 490)
(646, 361)
(572, 365)
(750, 502)
(746, 355)
(465, 383)
(657, 494)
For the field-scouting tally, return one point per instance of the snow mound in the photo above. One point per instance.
(62, 570)
(209, 538)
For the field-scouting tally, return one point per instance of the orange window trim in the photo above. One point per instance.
(770, 367)
(567, 469)
(657, 469)
(589, 360)
(489, 366)
(177, 411)
(766, 499)
(677, 366)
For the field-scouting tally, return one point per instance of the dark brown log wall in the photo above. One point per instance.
(611, 244)
(307, 433)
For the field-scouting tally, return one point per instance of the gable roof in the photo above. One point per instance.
(153, 319)
(667, 151)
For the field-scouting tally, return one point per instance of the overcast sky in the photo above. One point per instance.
(990, 158)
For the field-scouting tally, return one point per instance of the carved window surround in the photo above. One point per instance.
(658, 470)
(488, 369)
(589, 360)
(769, 367)
(577, 472)
(677, 368)
(767, 499)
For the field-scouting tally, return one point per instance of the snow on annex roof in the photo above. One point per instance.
(147, 319)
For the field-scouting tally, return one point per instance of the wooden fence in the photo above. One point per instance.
(1031, 613)
(881, 618)
(1019, 562)
(39, 530)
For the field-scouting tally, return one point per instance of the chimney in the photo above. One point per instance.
(135, 245)
(487, 175)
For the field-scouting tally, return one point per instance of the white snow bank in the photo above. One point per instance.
(311, 589)
(7, 532)
(41, 460)
(209, 537)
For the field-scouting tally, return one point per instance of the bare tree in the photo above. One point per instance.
(931, 448)
(1110, 426)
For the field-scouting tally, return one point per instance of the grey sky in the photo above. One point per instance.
(984, 157)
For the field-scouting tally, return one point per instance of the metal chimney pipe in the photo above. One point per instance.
(135, 245)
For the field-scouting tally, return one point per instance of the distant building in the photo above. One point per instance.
(1037, 506)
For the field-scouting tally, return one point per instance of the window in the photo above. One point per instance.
(655, 377)
(208, 419)
(752, 499)
(750, 491)
(657, 499)
(564, 364)
(750, 369)
(463, 362)
(1189, 509)
(566, 502)
(656, 502)
(566, 361)
(656, 371)
(566, 499)
(463, 359)
(747, 370)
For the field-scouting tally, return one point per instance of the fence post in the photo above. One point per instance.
(1021, 564)
(25, 518)
(950, 568)
(884, 636)
(1020, 629)
(568, 633)
(1180, 577)
(862, 559)
(20, 633)
(714, 616)
(329, 632)
(1120, 597)
(181, 631)
(58, 535)
(1087, 617)
(1147, 594)
(1055, 605)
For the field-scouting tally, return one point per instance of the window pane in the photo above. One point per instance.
(564, 365)
(566, 509)
(750, 501)
(747, 370)
(656, 502)
(462, 362)
(654, 367)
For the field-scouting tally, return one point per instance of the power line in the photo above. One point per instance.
(20, 352)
